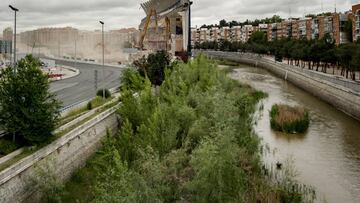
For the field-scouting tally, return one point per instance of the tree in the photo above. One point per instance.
(223, 23)
(258, 37)
(154, 66)
(27, 110)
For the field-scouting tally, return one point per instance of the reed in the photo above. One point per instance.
(289, 119)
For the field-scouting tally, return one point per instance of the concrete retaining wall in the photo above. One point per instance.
(340, 93)
(66, 155)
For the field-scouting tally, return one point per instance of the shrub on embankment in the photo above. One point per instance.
(103, 93)
(289, 119)
(191, 141)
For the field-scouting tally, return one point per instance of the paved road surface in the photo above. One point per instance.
(81, 87)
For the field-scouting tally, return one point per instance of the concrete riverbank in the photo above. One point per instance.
(65, 156)
(342, 94)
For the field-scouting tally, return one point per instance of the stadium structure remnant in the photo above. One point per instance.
(166, 26)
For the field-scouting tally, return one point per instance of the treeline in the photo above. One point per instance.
(256, 22)
(188, 140)
(319, 55)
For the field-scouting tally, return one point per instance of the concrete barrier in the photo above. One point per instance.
(342, 94)
(67, 155)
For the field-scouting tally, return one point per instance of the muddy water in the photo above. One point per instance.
(328, 155)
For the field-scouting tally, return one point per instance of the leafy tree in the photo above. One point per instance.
(153, 66)
(223, 23)
(258, 37)
(27, 110)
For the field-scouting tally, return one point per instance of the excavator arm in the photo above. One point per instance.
(146, 27)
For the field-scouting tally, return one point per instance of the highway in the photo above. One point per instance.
(82, 87)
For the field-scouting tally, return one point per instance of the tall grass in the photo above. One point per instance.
(289, 119)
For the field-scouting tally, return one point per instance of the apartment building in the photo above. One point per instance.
(246, 32)
(215, 34)
(295, 30)
(194, 36)
(225, 33)
(204, 35)
(306, 28)
(272, 32)
(236, 33)
(356, 22)
(263, 28)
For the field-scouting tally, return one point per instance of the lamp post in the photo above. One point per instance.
(103, 57)
(15, 11)
(189, 31)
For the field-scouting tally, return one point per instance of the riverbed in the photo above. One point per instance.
(327, 156)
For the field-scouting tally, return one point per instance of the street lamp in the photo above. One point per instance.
(103, 57)
(189, 31)
(15, 11)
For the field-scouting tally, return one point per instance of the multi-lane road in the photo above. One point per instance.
(82, 87)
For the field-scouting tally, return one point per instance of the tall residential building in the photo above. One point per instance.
(356, 22)
(204, 35)
(215, 34)
(246, 32)
(315, 28)
(332, 24)
(236, 33)
(272, 32)
(194, 36)
(225, 33)
(339, 22)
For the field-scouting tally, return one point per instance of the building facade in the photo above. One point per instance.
(356, 22)
(310, 28)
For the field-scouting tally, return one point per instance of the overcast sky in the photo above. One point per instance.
(84, 14)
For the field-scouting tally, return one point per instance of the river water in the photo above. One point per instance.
(327, 157)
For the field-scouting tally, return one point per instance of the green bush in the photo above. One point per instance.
(100, 93)
(89, 105)
(6, 147)
(289, 119)
(153, 66)
(131, 79)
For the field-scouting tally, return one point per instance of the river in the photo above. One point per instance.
(327, 156)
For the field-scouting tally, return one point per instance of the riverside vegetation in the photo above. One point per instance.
(289, 119)
(188, 140)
